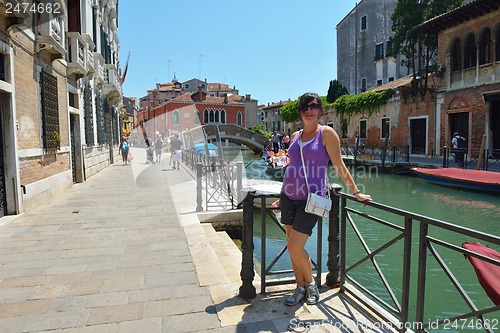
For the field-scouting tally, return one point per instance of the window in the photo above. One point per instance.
(363, 84)
(362, 128)
(344, 128)
(470, 52)
(389, 49)
(239, 119)
(456, 55)
(2, 67)
(205, 116)
(203, 86)
(175, 117)
(386, 127)
(498, 44)
(50, 111)
(379, 51)
(186, 85)
(217, 118)
(363, 23)
(223, 116)
(197, 117)
(485, 54)
(212, 116)
(391, 79)
(379, 82)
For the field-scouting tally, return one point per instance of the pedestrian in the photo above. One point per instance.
(175, 150)
(285, 141)
(275, 139)
(319, 145)
(124, 150)
(158, 147)
(458, 145)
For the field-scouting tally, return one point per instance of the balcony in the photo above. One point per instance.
(99, 68)
(112, 87)
(77, 55)
(90, 53)
(50, 40)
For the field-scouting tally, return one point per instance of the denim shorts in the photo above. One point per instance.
(293, 213)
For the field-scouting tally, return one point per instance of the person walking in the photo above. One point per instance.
(175, 150)
(158, 147)
(124, 147)
(458, 145)
(275, 139)
(319, 145)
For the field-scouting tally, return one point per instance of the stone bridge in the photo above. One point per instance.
(238, 134)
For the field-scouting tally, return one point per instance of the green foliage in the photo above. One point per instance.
(259, 130)
(56, 139)
(335, 90)
(371, 102)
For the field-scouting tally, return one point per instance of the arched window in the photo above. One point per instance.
(485, 47)
(223, 116)
(217, 116)
(498, 44)
(456, 55)
(470, 52)
(197, 117)
(175, 117)
(239, 119)
(212, 116)
(205, 116)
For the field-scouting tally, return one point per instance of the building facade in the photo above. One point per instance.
(364, 51)
(60, 95)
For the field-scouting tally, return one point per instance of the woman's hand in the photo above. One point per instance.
(276, 204)
(363, 197)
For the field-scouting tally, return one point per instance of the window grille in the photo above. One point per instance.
(88, 115)
(50, 112)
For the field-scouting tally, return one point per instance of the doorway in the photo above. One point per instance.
(459, 122)
(3, 189)
(495, 127)
(418, 136)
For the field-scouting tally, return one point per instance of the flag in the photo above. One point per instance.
(126, 68)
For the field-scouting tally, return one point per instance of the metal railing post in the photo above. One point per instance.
(199, 176)
(247, 289)
(333, 263)
(239, 180)
(422, 267)
(445, 157)
(405, 288)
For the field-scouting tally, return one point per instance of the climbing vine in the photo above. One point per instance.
(347, 105)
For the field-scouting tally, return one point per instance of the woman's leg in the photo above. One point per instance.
(301, 262)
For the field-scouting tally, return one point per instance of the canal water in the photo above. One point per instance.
(474, 210)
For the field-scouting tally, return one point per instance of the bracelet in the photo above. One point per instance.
(357, 192)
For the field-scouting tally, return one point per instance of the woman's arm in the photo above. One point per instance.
(332, 143)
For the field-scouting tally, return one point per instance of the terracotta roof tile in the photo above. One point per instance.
(404, 81)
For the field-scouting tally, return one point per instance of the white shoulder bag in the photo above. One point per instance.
(316, 204)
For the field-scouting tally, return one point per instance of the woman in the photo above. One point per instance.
(158, 147)
(124, 150)
(319, 144)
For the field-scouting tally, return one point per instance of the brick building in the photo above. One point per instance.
(190, 110)
(60, 96)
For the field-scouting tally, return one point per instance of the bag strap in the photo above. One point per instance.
(301, 143)
(304, 166)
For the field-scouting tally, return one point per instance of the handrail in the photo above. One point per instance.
(396, 309)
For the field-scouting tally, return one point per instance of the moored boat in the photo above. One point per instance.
(462, 178)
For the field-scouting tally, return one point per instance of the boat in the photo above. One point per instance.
(276, 164)
(487, 181)
(488, 274)
(201, 148)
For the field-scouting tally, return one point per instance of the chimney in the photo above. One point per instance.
(247, 97)
(225, 98)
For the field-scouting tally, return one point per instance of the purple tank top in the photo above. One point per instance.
(316, 161)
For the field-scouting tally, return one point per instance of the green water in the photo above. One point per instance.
(474, 210)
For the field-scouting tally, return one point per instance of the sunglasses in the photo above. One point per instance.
(313, 106)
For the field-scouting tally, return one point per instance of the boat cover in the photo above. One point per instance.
(487, 273)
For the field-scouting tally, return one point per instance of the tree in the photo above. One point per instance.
(419, 50)
(335, 90)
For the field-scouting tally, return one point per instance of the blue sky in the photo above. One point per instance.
(271, 49)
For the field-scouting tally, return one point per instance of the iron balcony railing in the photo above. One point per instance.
(411, 231)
